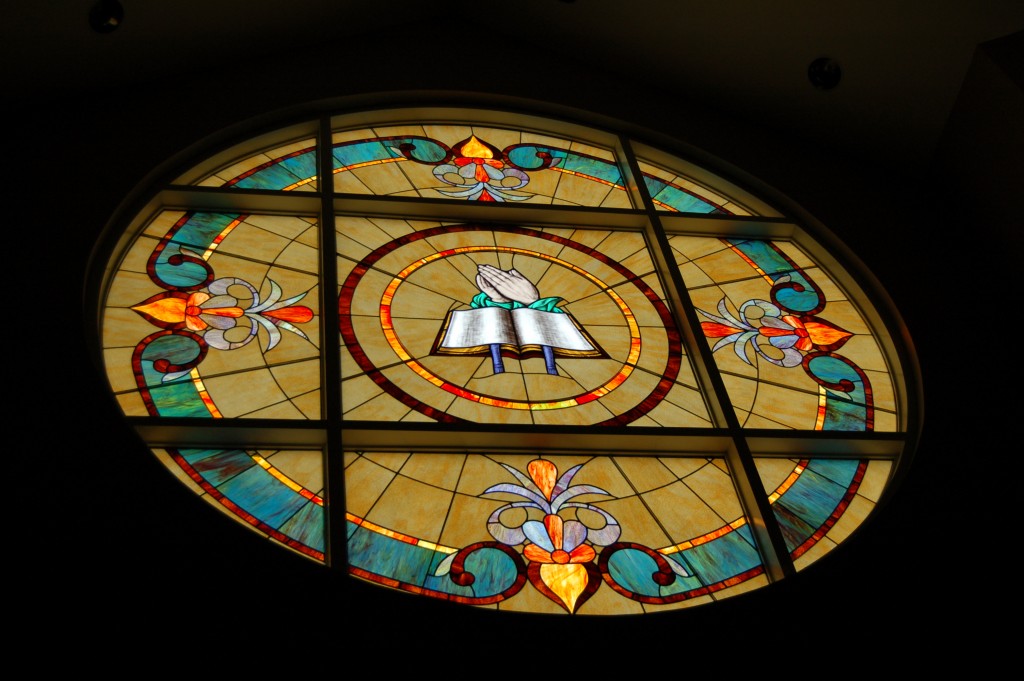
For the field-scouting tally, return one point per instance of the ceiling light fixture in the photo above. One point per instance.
(824, 73)
(106, 15)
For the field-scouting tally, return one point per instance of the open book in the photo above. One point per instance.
(522, 332)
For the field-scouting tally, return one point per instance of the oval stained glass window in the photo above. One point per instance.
(547, 367)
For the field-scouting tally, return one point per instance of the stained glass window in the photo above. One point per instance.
(506, 361)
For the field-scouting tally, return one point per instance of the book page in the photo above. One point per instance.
(536, 327)
(482, 326)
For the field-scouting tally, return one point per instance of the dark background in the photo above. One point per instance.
(914, 161)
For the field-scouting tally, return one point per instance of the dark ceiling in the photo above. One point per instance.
(902, 63)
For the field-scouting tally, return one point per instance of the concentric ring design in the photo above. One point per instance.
(628, 363)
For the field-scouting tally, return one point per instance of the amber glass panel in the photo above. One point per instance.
(475, 163)
(216, 315)
(794, 351)
(288, 167)
(594, 535)
(609, 351)
(672, 191)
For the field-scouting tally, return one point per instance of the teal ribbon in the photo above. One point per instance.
(544, 304)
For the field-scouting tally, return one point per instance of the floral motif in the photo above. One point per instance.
(216, 311)
(560, 556)
(542, 491)
(561, 552)
(481, 174)
(761, 322)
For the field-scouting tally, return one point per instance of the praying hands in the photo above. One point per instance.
(506, 286)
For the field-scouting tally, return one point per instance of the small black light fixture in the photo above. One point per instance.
(106, 15)
(824, 73)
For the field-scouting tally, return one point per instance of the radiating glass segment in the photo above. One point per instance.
(474, 163)
(277, 493)
(595, 535)
(819, 502)
(523, 325)
(216, 315)
(793, 350)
